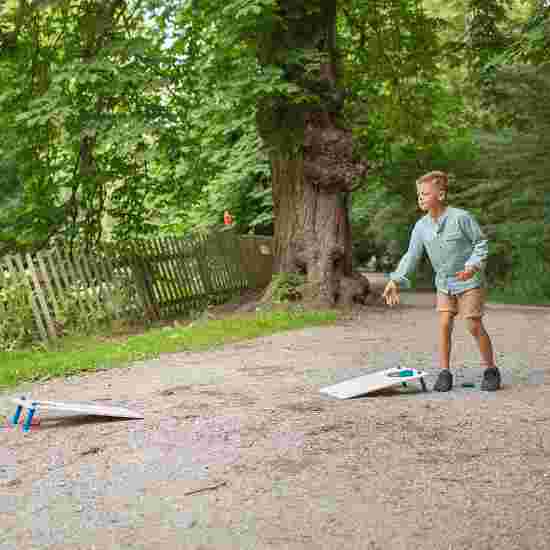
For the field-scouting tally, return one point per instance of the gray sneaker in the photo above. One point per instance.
(444, 381)
(491, 379)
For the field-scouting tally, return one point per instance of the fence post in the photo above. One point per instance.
(143, 278)
(50, 327)
(199, 251)
(13, 269)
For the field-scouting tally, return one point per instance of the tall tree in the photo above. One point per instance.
(311, 149)
(80, 87)
(317, 75)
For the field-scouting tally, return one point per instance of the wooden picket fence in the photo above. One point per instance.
(150, 278)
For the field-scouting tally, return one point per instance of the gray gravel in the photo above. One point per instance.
(238, 449)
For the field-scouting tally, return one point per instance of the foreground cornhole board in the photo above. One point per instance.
(77, 407)
(368, 383)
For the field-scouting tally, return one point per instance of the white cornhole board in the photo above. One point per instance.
(373, 382)
(80, 407)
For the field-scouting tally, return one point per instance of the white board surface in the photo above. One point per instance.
(370, 383)
(81, 407)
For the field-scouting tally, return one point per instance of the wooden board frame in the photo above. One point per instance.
(77, 407)
(368, 383)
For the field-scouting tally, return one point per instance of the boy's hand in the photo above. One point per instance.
(468, 273)
(391, 293)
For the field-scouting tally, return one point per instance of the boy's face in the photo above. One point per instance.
(428, 195)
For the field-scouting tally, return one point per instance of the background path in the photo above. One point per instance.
(239, 450)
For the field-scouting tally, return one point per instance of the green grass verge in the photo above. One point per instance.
(500, 296)
(80, 354)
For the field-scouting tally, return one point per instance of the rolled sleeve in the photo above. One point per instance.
(409, 261)
(480, 252)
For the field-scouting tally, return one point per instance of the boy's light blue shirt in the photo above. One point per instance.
(453, 242)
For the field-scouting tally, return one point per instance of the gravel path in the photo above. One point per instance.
(239, 450)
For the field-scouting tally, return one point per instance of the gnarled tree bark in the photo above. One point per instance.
(313, 165)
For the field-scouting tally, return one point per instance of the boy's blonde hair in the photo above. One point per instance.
(441, 179)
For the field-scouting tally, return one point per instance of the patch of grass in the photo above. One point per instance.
(509, 296)
(81, 354)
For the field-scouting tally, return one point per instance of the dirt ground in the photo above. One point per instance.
(239, 450)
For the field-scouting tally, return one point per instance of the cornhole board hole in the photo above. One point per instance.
(75, 407)
(376, 381)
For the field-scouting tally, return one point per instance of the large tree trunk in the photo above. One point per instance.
(313, 168)
(312, 228)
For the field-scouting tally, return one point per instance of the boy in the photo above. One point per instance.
(458, 251)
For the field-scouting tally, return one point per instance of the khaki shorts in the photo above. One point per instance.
(469, 304)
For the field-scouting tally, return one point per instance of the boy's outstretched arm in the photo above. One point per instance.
(406, 266)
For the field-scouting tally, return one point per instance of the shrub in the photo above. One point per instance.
(16, 316)
(86, 309)
(81, 311)
(286, 287)
(516, 262)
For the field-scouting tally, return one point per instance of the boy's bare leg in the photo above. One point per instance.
(446, 323)
(491, 375)
(477, 330)
(444, 381)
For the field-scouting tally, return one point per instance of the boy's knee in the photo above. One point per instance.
(475, 327)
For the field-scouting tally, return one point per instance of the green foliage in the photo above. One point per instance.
(92, 352)
(498, 173)
(123, 301)
(525, 277)
(484, 35)
(227, 152)
(81, 312)
(118, 121)
(391, 51)
(16, 316)
(86, 310)
(81, 104)
(286, 287)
